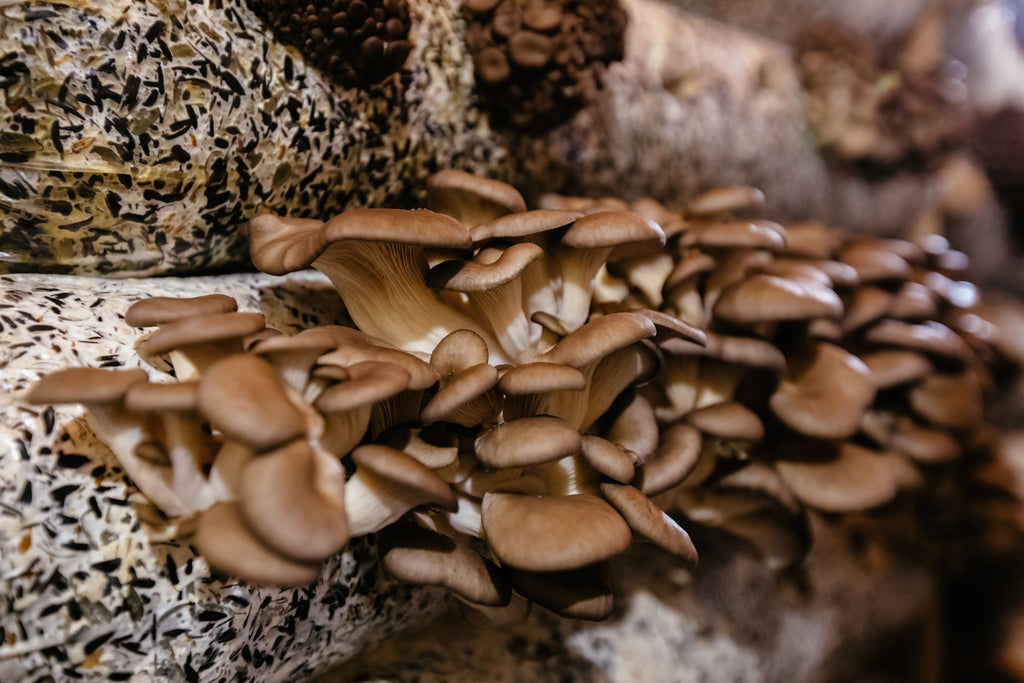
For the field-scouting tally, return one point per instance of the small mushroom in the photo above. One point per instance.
(850, 479)
(648, 521)
(194, 342)
(470, 199)
(160, 310)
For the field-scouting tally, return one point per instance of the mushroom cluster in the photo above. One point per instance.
(356, 42)
(539, 61)
(524, 392)
(867, 109)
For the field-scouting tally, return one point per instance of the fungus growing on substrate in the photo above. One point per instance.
(490, 406)
(537, 64)
(355, 42)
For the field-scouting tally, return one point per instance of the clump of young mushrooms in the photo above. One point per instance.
(519, 384)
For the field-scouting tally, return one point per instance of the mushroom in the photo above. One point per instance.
(573, 594)
(387, 484)
(360, 248)
(293, 500)
(160, 310)
(825, 394)
(471, 199)
(849, 479)
(543, 533)
(648, 521)
(726, 199)
(228, 545)
(194, 342)
(421, 556)
(101, 392)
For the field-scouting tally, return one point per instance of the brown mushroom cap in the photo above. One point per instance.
(600, 337)
(612, 229)
(367, 383)
(247, 400)
(541, 377)
(649, 521)
(527, 441)
(867, 305)
(678, 451)
(458, 395)
(892, 367)
(930, 336)
(811, 239)
(766, 298)
(293, 501)
(204, 329)
(855, 479)
(728, 420)
(522, 224)
(758, 234)
(470, 199)
(826, 393)
(949, 400)
(163, 396)
(608, 458)
(547, 533)
(874, 261)
(160, 310)
(417, 555)
(84, 385)
(475, 276)
(728, 198)
(224, 540)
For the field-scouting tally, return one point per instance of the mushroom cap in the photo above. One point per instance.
(417, 555)
(608, 458)
(767, 298)
(282, 245)
(539, 378)
(84, 385)
(204, 329)
(874, 261)
(612, 229)
(527, 441)
(162, 396)
(470, 199)
(548, 534)
(522, 224)
(867, 305)
(649, 521)
(362, 348)
(458, 351)
(293, 501)
(811, 239)
(826, 393)
(678, 451)
(476, 276)
(160, 310)
(246, 399)
(757, 234)
(227, 544)
(854, 479)
(949, 400)
(574, 594)
(600, 337)
(406, 472)
(368, 382)
(458, 392)
(727, 198)
(892, 367)
(930, 336)
(727, 420)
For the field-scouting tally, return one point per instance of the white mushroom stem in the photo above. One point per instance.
(648, 273)
(187, 449)
(405, 313)
(679, 382)
(577, 269)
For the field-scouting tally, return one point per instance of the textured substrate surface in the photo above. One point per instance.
(95, 584)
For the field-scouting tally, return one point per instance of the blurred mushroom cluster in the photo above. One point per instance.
(538, 62)
(525, 392)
